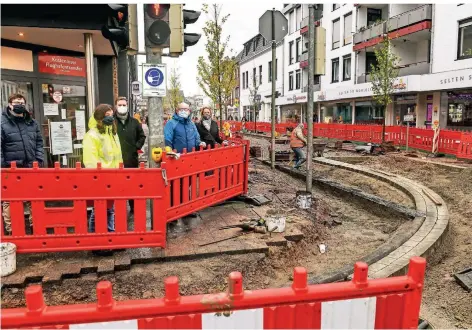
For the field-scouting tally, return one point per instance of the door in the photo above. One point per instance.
(429, 115)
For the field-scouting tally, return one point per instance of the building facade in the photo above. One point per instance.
(256, 76)
(433, 43)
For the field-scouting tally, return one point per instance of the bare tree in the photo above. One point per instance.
(254, 101)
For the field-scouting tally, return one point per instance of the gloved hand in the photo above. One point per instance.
(203, 145)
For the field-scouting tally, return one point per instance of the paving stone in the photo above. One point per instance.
(276, 241)
(52, 276)
(15, 280)
(72, 270)
(293, 235)
(122, 261)
(106, 266)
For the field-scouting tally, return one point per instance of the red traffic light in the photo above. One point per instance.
(158, 10)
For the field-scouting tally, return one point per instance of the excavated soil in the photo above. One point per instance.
(362, 229)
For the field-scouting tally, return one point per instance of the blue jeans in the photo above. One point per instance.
(299, 157)
(110, 220)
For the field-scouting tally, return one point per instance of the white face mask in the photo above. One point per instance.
(122, 110)
(183, 113)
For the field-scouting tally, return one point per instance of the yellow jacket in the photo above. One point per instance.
(101, 148)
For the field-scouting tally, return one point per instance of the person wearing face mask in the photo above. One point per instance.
(102, 145)
(21, 143)
(208, 129)
(180, 132)
(131, 134)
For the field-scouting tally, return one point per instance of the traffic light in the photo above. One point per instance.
(122, 28)
(157, 28)
(178, 20)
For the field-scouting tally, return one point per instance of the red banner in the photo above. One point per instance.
(62, 65)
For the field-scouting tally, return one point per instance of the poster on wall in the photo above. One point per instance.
(61, 137)
(51, 109)
(80, 127)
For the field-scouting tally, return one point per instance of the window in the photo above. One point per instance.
(290, 81)
(316, 79)
(336, 33)
(370, 60)
(254, 77)
(373, 15)
(335, 70)
(290, 52)
(254, 45)
(291, 22)
(247, 79)
(298, 78)
(276, 69)
(347, 67)
(270, 71)
(298, 49)
(348, 28)
(336, 6)
(263, 41)
(465, 39)
(244, 80)
(260, 74)
(298, 15)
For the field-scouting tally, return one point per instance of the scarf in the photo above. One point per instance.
(207, 123)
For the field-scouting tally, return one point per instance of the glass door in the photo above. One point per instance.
(65, 122)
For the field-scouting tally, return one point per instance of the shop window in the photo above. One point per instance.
(65, 104)
(465, 39)
(459, 109)
(290, 52)
(298, 78)
(336, 33)
(347, 67)
(15, 87)
(290, 81)
(335, 70)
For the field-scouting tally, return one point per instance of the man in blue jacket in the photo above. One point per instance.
(21, 143)
(180, 132)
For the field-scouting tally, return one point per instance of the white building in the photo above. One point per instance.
(434, 47)
(256, 77)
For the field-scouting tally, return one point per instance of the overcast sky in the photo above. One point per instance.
(242, 25)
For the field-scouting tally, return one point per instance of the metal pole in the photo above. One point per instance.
(88, 46)
(274, 68)
(311, 74)
(407, 134)
(155, 109)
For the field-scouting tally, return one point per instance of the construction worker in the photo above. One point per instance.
(297, 142)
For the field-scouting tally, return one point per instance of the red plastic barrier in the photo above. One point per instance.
(361, 303)
(200, 179)
(180, 187)
(464, 150)
(66, 228)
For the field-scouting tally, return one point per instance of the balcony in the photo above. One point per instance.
(404, 70)
(409, 22)
(411, 17)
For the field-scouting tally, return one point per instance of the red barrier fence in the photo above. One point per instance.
(450, 142)
(180, 187)
(390, 303)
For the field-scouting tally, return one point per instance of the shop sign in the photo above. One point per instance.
(447, 80)
(62, 65)
(296, 98)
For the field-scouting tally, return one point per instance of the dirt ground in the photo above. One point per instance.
(361, 232)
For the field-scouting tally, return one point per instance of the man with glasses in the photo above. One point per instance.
(21, 143)
(180, 132)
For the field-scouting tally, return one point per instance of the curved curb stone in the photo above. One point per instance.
(426, 240)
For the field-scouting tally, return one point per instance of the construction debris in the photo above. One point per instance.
(464, 278)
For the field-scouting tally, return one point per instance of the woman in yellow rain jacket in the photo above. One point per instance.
(102, 145)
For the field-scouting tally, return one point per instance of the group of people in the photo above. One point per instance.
(114, 137)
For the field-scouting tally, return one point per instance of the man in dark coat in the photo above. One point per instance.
(21, 143)
(208, 129)
(131, 135)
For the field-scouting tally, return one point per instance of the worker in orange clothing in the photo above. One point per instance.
(297, 142)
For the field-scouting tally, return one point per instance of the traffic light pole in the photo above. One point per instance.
(311, 74)
(155, 109)
(274, 68)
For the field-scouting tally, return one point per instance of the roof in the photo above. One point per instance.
(254, 47)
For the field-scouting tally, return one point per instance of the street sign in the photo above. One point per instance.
(408, 118)
(280, 24)
(154, 80)
(136, 88)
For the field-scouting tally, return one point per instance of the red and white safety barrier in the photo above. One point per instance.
(360, 303)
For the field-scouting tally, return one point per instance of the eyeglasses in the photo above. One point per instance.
(18, 103)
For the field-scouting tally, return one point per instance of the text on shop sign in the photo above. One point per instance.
(62, 65)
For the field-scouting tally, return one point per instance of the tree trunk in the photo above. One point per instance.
(383, 125)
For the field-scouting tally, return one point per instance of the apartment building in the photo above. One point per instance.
(433, 43)
(256, 76)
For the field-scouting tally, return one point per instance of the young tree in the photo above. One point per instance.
(383, 76)
(253, 101)
(174, 95)
(216, 71)
(228, 81)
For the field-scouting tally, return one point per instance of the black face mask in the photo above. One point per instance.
(108, 120)
(19, 109)
(206, 117)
